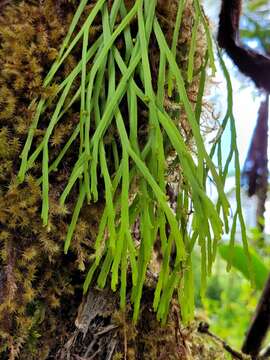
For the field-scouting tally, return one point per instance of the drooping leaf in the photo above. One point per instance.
(238, 260)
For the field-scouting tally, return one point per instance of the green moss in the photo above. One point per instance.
(30, 256)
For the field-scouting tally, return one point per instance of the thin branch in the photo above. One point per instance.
(204, 329)
(265, 353)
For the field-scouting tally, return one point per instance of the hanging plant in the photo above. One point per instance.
(113, 165)
(121, 92)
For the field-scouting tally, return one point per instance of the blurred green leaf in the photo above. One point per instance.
(239, 262)
(255, 4)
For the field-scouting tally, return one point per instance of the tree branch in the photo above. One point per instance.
(204, 329)
(249, 62)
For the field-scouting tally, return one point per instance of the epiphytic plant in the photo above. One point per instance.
(137, 125)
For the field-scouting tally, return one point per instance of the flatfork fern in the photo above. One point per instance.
(119, 94)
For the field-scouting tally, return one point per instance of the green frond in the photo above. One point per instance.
(127, 80)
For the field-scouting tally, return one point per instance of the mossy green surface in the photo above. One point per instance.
(34, 280)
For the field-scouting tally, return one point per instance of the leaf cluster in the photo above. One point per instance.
(119, 93)
(106, 122)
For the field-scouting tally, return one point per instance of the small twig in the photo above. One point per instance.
(97, 335)
(265, 353)
(204, 329)
(110, 354)
(106, 329)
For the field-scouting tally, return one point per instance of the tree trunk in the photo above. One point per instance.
(40, 287)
